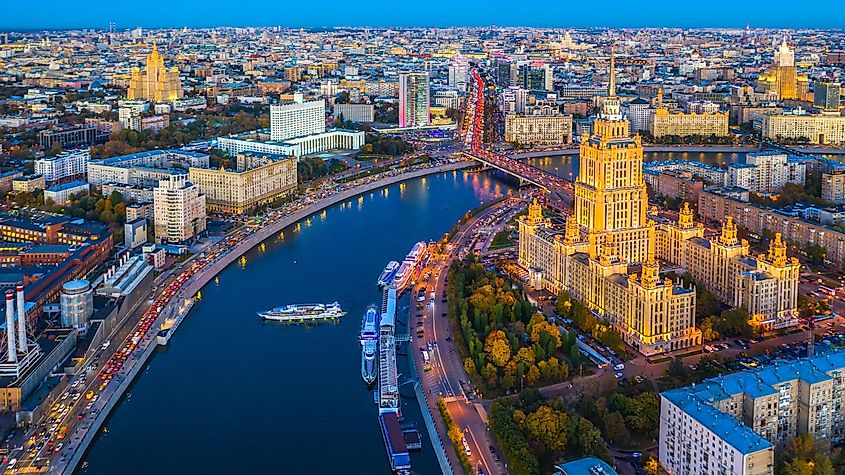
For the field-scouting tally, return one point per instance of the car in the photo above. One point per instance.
(618, 375)
(637, 455)
(619, 367)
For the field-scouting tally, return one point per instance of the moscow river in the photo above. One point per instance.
(566, 166)
(232, 394)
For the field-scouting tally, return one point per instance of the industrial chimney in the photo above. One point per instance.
(10, 327)
(21, 321)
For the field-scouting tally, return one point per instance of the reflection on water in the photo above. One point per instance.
(566, 166)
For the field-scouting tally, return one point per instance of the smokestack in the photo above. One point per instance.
(21, 321)
(10, 327)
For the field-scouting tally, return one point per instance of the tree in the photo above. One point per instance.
(497, 348)
(533, 375)
(708, 330)
(676, 368)
(549, 426)
(614, 428)
(525, 356)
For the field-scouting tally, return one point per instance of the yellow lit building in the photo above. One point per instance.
(665, 122)
(538, 129)
(765, 285)
(605, 257)
(259, 178)
(782, 79)
(817, 129)
(156, 83)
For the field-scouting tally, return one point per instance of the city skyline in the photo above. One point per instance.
(544, 14)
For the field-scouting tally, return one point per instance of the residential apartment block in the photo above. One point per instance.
(66, 165)
(765, 285)
(179, 210)
(731, 424)
(258, 179)
(538, 129)
(767, 172)
(666, 123)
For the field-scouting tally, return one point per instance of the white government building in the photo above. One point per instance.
(297, 128)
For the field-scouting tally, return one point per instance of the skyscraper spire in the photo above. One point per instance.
(611, 85)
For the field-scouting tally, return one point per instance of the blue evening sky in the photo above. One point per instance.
(564, 13)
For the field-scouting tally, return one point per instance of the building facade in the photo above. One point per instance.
(355, 112)
(766, 285)
(782, 79)
(609, 231)
(538, 129)
(66, 165)
(767, 172)
(666, 123)
(179, 213)
(156, 83)
(713, 207)
(414, 99)
(297, 119)
(258, 179)
(833, 187)
(731, 424)
(816, 129)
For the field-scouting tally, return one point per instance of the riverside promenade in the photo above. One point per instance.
(88, 428)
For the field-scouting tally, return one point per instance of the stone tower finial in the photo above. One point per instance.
(777, 251)
(685, 217)
(572, 233)
(729, 232)
(535, 213)
(650, 272)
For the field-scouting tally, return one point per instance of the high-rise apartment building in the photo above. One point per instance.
(609, 231)
(638, 112)
(826, 95)
(767, 172)
(179, 210)
(833, 187)
(413, 99)
(64, 166)
(731, 424)
(156, 83)
(297, 119)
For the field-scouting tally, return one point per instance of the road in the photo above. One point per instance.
(446, 377)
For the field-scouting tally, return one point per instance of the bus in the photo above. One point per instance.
(827, 290)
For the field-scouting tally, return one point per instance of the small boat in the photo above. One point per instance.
(300, 313)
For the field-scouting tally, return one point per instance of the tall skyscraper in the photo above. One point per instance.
(826, 95)
(610, 192)
(413, 99)
(782, 78)
(156, 83)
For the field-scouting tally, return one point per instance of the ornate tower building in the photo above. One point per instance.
(156, 83)
(610, 193)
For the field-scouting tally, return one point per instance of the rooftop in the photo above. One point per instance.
(698, 401)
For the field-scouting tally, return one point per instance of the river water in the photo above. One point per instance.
(566, 166)
(232, 394)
